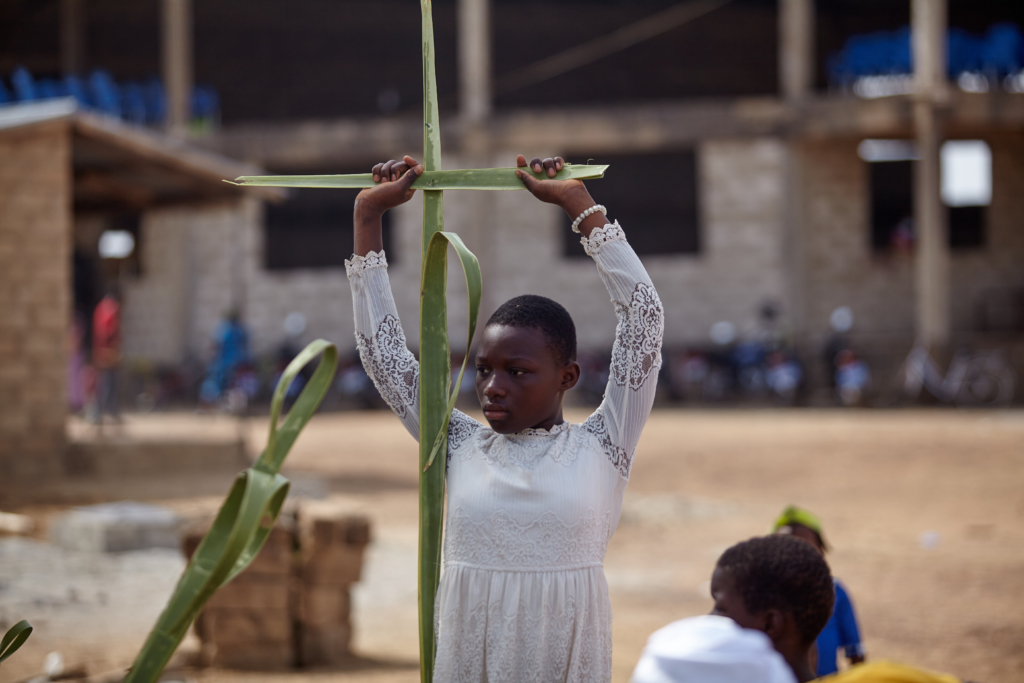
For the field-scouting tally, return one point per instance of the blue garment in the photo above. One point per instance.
(840, 632)
(232, 350)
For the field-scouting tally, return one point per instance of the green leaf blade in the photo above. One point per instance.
(244, 520)
(464, 179)
(14, 639)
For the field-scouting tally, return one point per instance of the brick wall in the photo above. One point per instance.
(35, 298)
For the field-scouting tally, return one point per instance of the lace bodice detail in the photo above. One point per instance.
(529, 515)
(500, 542)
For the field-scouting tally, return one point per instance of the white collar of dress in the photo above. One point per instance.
(556, 429)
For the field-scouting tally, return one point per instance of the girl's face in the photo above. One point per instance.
(519, 380)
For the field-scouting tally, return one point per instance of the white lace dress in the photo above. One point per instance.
(523, 596)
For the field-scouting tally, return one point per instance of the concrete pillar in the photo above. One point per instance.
(796, 83)
(796, 48)
(932, 268)
(475, 95)
(176, 62)
(72, 37)
(474, 60)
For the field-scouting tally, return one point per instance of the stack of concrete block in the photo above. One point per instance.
(292, 605)
(116, 527)
(331, 546)
(248, 624)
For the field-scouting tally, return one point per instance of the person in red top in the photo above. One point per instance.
(106, 354)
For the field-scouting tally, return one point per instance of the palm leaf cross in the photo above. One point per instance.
(436, 393)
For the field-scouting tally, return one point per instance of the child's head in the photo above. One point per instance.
(776, 584)
(802, 524)
(525, 362)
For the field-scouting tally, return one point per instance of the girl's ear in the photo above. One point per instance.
(570, 375)
(774, 623)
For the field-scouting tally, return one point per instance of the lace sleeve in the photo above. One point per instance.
(636, 355)
(381, 340)
(383, 351)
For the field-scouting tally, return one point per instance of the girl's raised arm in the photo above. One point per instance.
(636, 355)
(379, 335)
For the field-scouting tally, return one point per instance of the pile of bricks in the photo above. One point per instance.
(292, 606)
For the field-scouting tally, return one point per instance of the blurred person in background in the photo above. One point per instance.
(106, 354)
(781, 586)
(841, 631)
(853, 378)
(231, 350)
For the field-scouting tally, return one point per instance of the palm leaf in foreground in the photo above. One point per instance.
(244, 520)
(14, 638)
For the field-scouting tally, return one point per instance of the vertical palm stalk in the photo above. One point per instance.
(435, 370)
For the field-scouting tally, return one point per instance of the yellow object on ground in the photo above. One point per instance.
(888, 672)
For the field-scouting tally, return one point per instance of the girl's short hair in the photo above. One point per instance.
(544, 314)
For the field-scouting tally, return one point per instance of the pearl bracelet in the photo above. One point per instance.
(592, 210)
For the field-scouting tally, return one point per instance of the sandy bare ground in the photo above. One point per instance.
(924, 509)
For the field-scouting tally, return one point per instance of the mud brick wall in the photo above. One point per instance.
(292, 606)
(35, 298)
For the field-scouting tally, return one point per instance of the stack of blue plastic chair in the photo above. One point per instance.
(872, 54)
(999, 53)
(140, 103)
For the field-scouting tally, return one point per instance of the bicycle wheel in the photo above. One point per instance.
(987, 382)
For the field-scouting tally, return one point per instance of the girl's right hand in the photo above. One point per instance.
(396, 179)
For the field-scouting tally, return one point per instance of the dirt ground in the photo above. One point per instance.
(924, 510)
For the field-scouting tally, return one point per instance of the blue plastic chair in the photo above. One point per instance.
(75, 87)
(133, 103)
(48, 89)
(963, 52)
(205, 103)
(155, 102)
(105, 94)
(24, 85)
(1002, 49)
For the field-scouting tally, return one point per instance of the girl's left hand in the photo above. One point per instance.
(564, 193)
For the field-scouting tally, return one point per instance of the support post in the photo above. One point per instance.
(475, 106)
(474, 60)
(72, 37)
(932, 269)
(796, 83)
(796, 48)
(176, 62)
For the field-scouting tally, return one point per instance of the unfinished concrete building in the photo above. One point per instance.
(741, 176)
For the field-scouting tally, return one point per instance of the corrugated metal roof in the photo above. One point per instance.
(115, 163)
